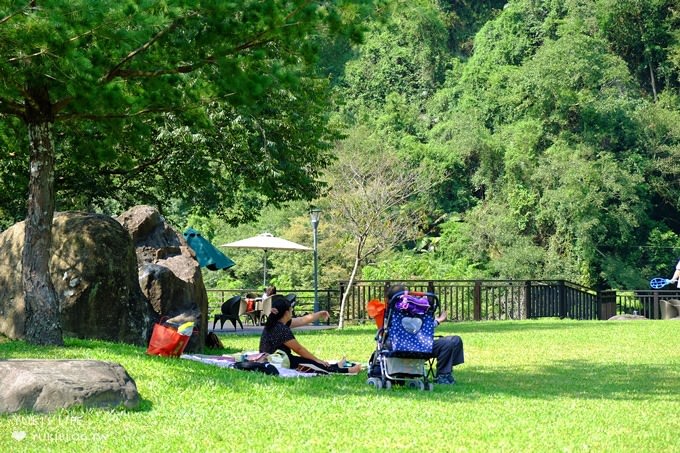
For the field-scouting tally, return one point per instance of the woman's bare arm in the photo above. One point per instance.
(308, 318)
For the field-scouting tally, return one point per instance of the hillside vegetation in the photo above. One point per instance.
(550, 132)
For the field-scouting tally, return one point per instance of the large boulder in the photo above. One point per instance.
(48, 385)
(94, 272)
(169, 274)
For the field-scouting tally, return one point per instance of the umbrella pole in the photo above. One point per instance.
(265, 269)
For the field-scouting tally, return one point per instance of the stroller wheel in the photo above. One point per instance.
(374, 382)
(420, 385)
(387, 385)
(430, 386)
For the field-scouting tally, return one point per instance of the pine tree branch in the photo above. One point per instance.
(297, 10)
(124, 114)
(12, 108)
(128, 174)
(61, 104)
(184, 69)
(121, 115)
(116, 69)
(30, 5)
(26, 57)
(258, 40)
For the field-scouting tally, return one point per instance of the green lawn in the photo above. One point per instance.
(548, 386)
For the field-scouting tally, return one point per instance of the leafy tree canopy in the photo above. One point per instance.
(151, 100)
(119, 78)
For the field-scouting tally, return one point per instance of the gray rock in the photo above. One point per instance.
(49, 385)
(94, 272)
(169, 274)
(627, 317)
(97, 266)
(670, 309)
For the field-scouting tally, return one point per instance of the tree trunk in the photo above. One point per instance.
(43, 320)
(357, 261)
(651, 78)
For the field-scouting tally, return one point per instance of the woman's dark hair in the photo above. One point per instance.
(394, 289)
(270, 291)
(279, 307)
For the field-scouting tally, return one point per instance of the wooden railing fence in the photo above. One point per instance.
(477, 300)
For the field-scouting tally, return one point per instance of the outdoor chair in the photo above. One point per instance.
(266, 309)
(230, 312)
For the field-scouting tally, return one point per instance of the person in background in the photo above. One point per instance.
(277, 334)
(447, 350)
(269, 291)
(676, 276)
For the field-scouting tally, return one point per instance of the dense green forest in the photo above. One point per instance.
(544, 137)
(552, 127)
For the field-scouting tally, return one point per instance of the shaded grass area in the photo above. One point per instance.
(545, 385)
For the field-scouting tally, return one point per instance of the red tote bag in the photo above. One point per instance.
(167, 342)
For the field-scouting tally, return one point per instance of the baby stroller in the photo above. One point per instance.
(404, 342)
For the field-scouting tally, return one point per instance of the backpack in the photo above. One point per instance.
(212, 341)
(266, 368)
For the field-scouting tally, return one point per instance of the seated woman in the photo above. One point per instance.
(277, 335)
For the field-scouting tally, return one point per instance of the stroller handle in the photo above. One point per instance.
(431, 297)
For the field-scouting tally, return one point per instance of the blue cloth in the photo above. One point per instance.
(207, 254)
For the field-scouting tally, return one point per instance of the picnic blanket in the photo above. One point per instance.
(227, 361)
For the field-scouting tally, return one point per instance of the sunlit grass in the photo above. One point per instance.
(546, 385)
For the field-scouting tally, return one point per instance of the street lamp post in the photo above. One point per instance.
(315, 214)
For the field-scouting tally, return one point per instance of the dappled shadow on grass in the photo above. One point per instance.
(19, 349)
(559, 380)
(145, 405)
(584, 380)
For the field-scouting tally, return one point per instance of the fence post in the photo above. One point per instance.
(477, 301)
(561, 299)
(607, 304)
(527, 299)
(655, 306)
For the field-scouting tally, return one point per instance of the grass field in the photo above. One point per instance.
(529, 386)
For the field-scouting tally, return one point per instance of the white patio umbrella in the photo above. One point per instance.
(266, 242)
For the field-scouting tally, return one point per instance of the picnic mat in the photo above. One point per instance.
(228, 361)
